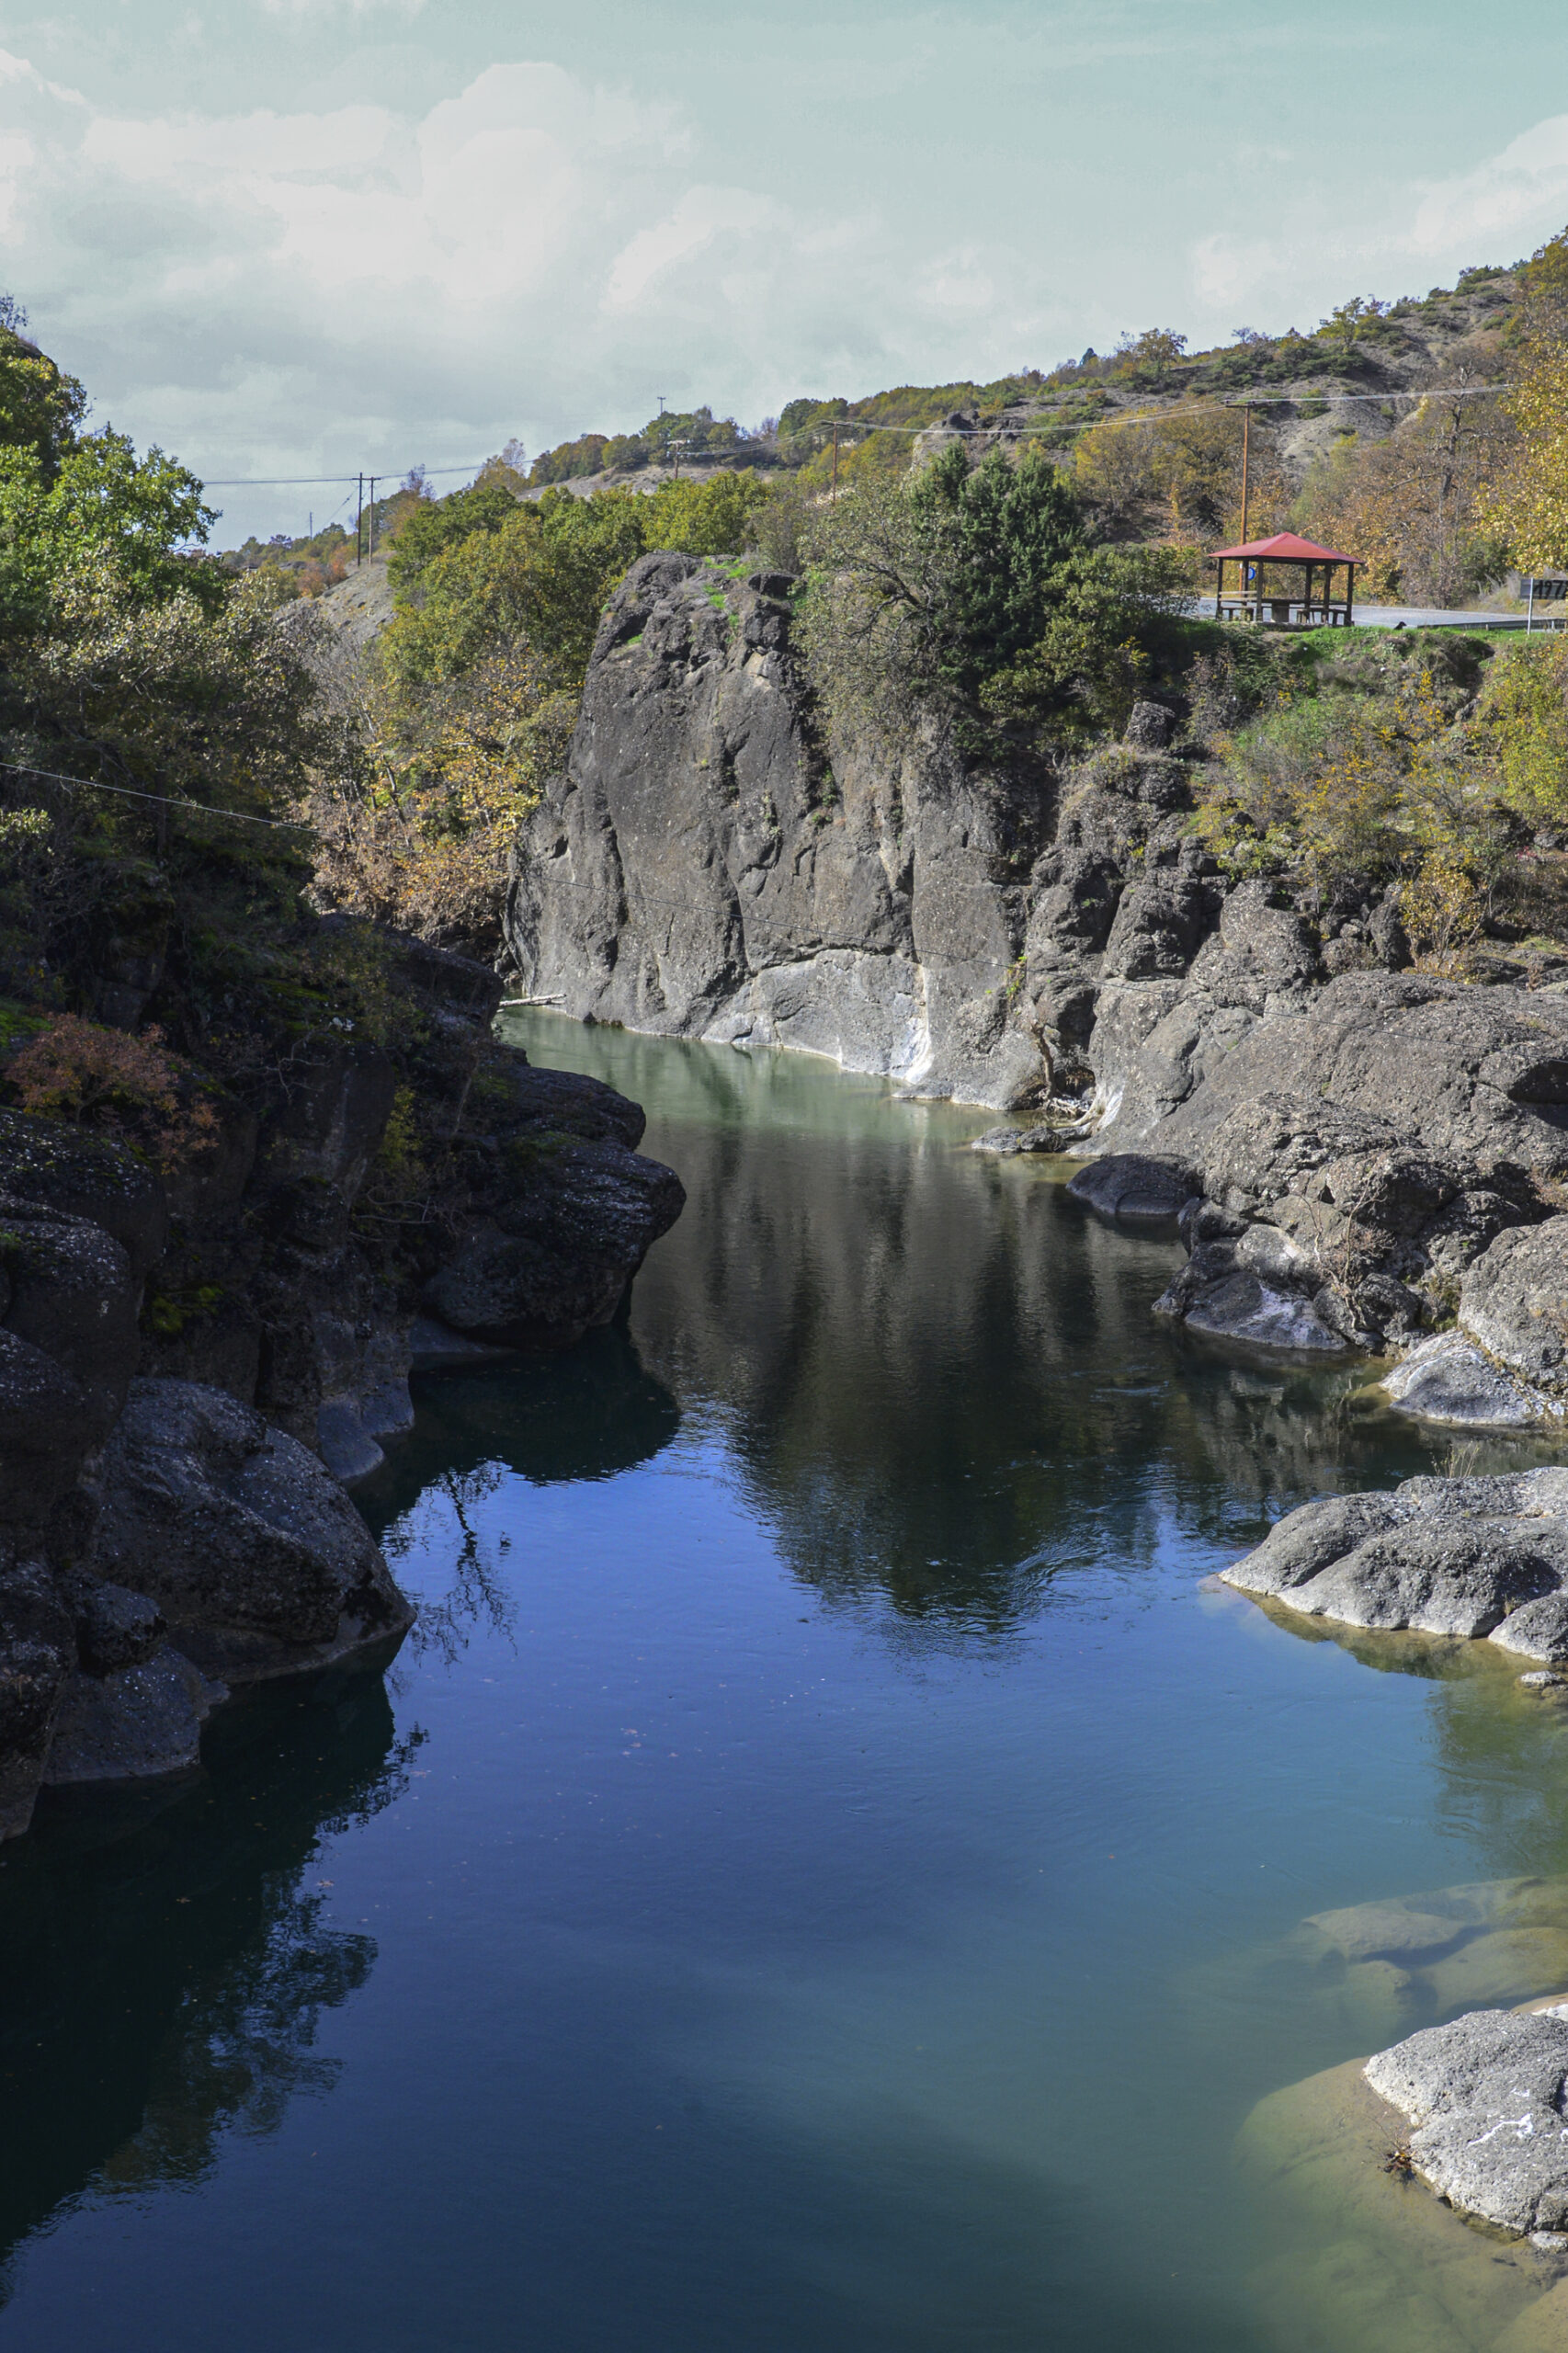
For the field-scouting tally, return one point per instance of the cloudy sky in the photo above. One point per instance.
(296, 237)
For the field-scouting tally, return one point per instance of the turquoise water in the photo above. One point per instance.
(822, 1877)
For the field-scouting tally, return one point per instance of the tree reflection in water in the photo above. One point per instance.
(163, 1963)
(941, 1377)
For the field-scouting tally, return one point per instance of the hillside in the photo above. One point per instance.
(1347, 377)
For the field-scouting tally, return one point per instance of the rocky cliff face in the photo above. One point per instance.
(185, 1364)
(706, 868)
(1351, 1144)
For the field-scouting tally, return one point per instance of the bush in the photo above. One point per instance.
(126, 1087)
(976, 599)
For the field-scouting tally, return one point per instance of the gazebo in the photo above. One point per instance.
(1286, 608)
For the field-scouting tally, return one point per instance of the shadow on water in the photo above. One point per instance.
(589, 1413)
(163, 1962)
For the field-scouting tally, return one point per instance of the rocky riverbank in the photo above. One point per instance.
(192, 1361)
(1363, 1156)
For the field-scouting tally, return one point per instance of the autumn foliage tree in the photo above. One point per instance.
(1526, 503)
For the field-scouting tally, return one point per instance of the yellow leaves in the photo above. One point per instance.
(1525, 711)
(1442, 910)
(453, 773)
(1410, 507)
(1368, 788)
(1188, 466)
(1528, 502)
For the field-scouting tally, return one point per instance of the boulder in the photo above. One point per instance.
(75, 1296)
(136, 1723)
(554, 1260)
(1310, 1539)
(1439, 1577)
(1158, 926)
(68, 1172)
(1150, 726)
(1514, 1302)
(1462, 1556)
(1134, 1188)
(1485, 2097)
(115, 1628)
(45, 1423)
(256, 1559)
(1449, 1379)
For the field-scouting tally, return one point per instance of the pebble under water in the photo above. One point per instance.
(828, 1871)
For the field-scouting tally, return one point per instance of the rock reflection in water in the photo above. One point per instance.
(164, 1962)
(942, 1377)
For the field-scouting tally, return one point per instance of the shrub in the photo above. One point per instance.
(130, 1087)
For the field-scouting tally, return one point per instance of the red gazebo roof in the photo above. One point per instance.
(1284, 548)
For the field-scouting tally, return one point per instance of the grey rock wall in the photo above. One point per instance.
(172, 1520)
(706, 868)
(1359, 1147)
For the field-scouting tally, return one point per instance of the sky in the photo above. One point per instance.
(289, 238)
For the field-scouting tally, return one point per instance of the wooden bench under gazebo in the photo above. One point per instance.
(1311, 604)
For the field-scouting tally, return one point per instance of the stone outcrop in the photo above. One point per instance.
(1480, 1557)
(190, 1365)
(1358, 1147)
(706, 867)
(1357, 1141)
(1361, 1159)
(1485, 2097)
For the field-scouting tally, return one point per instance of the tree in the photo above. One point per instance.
(1526, 503)
(40, 407)
(1412, 508)
(1181, 473)
(1351, 319)
(975, 600)
(99, 505)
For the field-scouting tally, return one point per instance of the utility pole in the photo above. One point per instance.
(1246, 451)
(835, 491)
(372, 533)
(359, 526)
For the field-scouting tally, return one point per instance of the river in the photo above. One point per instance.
(826, 1875)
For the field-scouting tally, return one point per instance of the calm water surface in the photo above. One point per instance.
(816, 1882)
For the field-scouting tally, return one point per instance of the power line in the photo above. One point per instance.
(305, 482)
(201, 808)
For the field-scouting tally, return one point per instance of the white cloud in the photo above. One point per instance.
(282, 292)
(1519, 195)
(1494, 211)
